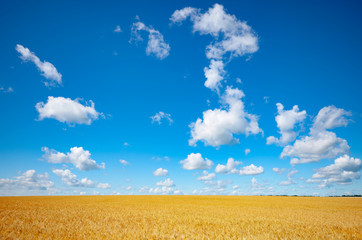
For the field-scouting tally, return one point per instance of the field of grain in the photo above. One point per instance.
(180, 217)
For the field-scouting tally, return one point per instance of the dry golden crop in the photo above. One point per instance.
(180, 217)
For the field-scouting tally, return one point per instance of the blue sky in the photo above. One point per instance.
(246, 97)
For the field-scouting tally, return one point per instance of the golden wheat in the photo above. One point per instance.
(180, 217)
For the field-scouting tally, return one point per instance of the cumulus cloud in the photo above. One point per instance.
(320, 144)
(161, 115)
(279, 170)
(206, 176)
(77, 156)
(156, 44)
(251, 170)
(343, 171)
(161, 190)
(247, 151)
(160, 172)
(230, 168)
(218, 126)
(46, 68)
(330, 117)
(68, 111)
(70, 179)
(27, 183)
(214, 75)
(195, 161)
(166, 183)
(231, 35)
(286, 121)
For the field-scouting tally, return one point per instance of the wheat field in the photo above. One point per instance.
(180, 217)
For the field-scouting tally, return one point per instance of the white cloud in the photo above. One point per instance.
(218, 186)
(161, 158)
(26, 184)
(156, 44)
(161, 190)
(344, 170)
(103, 185)
(278, 170)
(214, 75)
(206, 176)
(330, 117)
(70, 179)
(320, 144)
(230, 36)
(124, 162)
(117, 29)
(230, 168)
(161, 115)
(166, 183)
(251, 170)
(195, 161)
(260, 188)
(6, 90)
(160, 172)
(286, 121)
(237, 37)
(180, 15)
(290, 179)
(218, 126)
(247, 151)
(178, 192)
(46, 68)
(77, 156)
(144, 189)
(68, 111)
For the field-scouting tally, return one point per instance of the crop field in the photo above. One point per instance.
(180, 217)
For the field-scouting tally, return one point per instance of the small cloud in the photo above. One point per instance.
(279, 170)
(206, 176)
(117, 29)
(104, 185)
(6, 90)
(266, 99)
(238, 80)
(247, 151)
(160, 172)
(68, 111)
(77, 156)
(166, 183)
(126, 144)
(124, 162)
(161, 115)
(196, 161)
(46, 68)
(156, 44)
